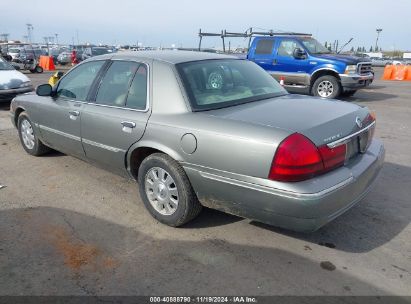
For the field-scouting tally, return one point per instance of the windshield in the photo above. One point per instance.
(213, 84)
(14, 51)
(4, 65)
(314, 47)
(99, 51)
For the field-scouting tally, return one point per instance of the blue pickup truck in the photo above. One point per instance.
(306, 66)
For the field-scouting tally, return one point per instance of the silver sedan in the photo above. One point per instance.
(201, 129)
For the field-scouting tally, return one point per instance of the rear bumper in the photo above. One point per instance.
(301, 210)
(356, 81)
(7, 95)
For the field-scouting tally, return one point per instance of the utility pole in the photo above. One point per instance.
(379, 30)
(30, 29)
(57, 38)
(46, 40)
(5, 37)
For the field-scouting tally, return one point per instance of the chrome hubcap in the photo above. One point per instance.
(161, 191)
(325, 88)
(27, 134)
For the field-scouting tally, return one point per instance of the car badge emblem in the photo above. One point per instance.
(358, 122)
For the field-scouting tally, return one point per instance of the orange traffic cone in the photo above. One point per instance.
(47, 63)
(387, 72)
(408, 76)
(282, 78)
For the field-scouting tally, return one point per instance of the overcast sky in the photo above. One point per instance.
(167, 22)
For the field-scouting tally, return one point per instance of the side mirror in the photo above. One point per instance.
(299, 53)
(44, 90)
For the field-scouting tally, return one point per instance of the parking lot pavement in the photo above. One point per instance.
(68, 228)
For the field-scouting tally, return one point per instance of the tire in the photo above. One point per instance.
(29, 140)
(348, 93)
(327, 86)
(154, 187)
(39, 69)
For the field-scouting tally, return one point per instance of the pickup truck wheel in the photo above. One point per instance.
(28, 137)
(327, 87)
(166, 191)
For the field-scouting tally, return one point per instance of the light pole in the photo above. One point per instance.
(379, 30)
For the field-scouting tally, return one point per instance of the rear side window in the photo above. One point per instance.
(137, 94)
(116, 82)
(264, 47)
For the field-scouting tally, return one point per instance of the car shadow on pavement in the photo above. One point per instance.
(212, 218)
(53, 251)
(4, 105)
(377, 219)
(369, 96)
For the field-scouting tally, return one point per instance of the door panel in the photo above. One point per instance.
(61, 126)
(118, 117)
(60, 115)
(264, 53)
(108, 133)
(294, 70)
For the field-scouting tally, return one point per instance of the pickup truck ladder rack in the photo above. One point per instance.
(249, 33)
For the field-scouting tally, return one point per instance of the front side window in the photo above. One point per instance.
(314, 47)
(213, 84)
(264, 47)
(116, 82)
(76, 84)
(287, 47)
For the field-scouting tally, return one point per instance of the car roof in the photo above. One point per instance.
(169, 56)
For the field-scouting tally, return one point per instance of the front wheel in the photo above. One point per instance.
(28, 137)
(166, 191)
(326, 86)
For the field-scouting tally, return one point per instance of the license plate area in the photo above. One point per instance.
(357, 145)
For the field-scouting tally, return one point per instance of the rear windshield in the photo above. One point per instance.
(99, 51)
(214, 84)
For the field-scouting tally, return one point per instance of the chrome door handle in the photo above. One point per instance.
(128, 124)
(74, 113)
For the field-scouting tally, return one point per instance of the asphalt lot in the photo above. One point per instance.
(68, 228)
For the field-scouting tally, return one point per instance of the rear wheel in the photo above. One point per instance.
(28, 137)
(38, 69)
(166, 191)
(327, 86)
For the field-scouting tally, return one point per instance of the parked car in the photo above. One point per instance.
(380, 62)
(308, 67)
(201, 129)
(14, 52)
(12, 82)
(94, 51)
(64, 58)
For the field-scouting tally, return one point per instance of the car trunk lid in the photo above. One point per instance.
(321, 120)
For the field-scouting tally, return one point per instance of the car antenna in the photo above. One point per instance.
(351, 39)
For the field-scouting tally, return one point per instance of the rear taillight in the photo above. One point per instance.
(297, 158)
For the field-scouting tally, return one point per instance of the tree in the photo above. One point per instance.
(326, 45)
(352, 49)
(371, 49)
